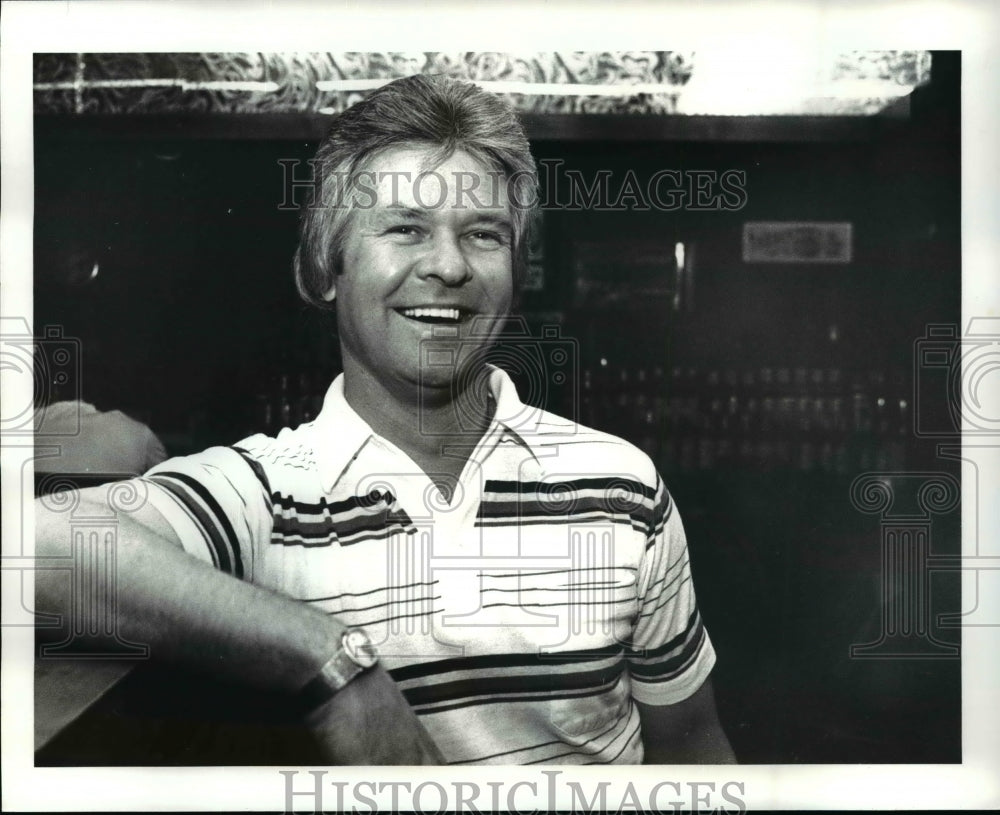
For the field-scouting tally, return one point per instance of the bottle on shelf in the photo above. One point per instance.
(302, 409)
(284, 401)
(263, 419)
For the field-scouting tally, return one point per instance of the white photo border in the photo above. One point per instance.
(972, 27)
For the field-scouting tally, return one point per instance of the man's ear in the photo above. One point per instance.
(330, 294)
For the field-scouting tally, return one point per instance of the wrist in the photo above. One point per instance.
(351, 655)
(351, 705)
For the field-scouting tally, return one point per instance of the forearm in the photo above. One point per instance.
(707, 745)
(187, 612)
(192, 615)
(688, 732)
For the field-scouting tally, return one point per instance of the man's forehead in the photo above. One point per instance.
(415, 179)
(426, 157)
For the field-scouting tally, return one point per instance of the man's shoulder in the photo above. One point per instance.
(291, 447)
(284, 463)
(569, 447)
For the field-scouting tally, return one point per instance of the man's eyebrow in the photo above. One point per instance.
(497, 221)
(398, 210)
(395, 212)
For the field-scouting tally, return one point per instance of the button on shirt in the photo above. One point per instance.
(521, 619)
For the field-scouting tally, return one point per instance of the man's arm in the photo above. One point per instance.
(688, 732)
(190, 614)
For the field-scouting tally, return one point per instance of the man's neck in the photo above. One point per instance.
(423, 421)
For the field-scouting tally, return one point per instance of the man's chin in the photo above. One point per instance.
(440, 384)
(448, 383)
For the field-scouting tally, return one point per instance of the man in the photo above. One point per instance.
(431, 571)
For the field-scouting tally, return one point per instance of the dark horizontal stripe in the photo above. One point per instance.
(563, 588)
(607, 584)
(506, 512)
(684, 660)
(667, 668)
(429, 613)
(332, 508)
(367, 522)
(371, 591)
(560, 488)
(491, 661)
(673, 643)
(527, 573)
(280, 539)
(678, 668)
(550, 683)
(342, 528)
(549, 520)
(515, 699)
(568, 604)
(382, 534)
(649, 670)
(569, 507)
(388, 603)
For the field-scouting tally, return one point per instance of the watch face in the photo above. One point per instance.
(359, 648)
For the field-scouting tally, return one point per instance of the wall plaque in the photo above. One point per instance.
(797, 242)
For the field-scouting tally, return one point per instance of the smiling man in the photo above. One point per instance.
(426, 262)
(431, 571)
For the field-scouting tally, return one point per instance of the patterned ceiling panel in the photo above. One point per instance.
(647, 82)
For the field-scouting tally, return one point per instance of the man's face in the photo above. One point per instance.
(427, 253)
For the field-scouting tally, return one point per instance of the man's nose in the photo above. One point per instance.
(445, 260)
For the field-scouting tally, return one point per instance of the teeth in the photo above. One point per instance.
(437, 313)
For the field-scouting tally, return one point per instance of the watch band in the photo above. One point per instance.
(355, 655)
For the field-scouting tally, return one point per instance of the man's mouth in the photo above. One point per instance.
(435, 315)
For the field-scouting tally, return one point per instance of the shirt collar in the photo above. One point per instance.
(344, 434)
(517, 419)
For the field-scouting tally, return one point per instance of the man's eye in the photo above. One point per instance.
(485, 236)
(406, 230)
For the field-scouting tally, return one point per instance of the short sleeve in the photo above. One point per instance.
(218, 503)
(671, 654)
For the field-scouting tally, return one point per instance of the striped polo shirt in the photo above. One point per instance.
(520, 619)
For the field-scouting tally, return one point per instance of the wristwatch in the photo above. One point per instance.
(355, 655)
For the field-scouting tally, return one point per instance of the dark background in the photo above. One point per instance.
(193, 325)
